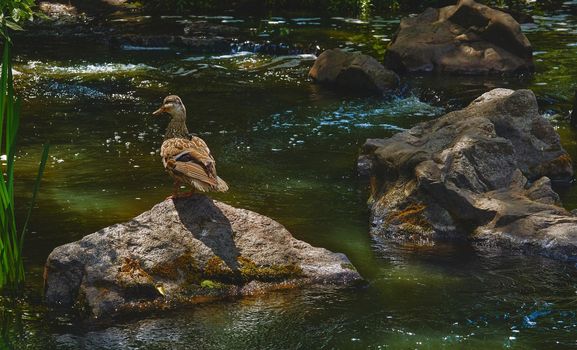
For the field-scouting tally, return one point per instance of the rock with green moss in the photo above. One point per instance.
(186, 251)
(481, 173)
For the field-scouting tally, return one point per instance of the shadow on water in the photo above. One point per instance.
(8, 324)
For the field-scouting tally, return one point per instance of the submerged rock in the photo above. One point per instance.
(183, 252)
(482, 173)
(275, 48)
(467, 38)
(199, 44)
(199, 37)
(205, 28)
(353, 71)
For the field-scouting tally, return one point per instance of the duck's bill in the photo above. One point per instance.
(158, 111)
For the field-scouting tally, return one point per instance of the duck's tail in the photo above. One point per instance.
(221, 185)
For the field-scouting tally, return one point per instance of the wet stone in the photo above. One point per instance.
(353, 72)
(182, 252)
(482, 174)
(195, 44)
(466, 38)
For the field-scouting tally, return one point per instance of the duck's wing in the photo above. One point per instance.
(194, 150)
(191, 160)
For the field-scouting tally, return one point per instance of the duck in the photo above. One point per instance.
(186, 157)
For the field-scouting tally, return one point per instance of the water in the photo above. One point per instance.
(288, 149)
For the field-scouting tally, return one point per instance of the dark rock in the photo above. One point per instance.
(480, 173)
(199, 36)
(201, 44)
(353, 71)
(276, 48)
(203, 28)
(184, 252)
(64, 23)
(467, 38)
(518, 15)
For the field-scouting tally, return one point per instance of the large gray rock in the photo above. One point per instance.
(467, 38)
(183, 252)
(353, 71)
(481, 173)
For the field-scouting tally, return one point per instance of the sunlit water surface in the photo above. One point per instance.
(288, 149)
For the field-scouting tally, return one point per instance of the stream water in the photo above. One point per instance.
(288, 149)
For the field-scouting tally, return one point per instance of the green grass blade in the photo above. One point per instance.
(43, 161)
(3, 84)
(4, 197)
(11, 239)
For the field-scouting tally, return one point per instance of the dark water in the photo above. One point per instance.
(288, 149)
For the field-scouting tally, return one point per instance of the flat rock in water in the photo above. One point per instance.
(467, 38)
(482, 173)
(205, 28)
(183, 252)
(353, 71)
(195, 44)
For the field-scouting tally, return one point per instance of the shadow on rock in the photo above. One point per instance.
(207, 223)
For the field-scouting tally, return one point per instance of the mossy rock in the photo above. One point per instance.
(216, 269)
(185, 266)
(349, 266)
(249, 271)
(210, 284)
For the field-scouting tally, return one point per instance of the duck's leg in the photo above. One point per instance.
(187, 194)
(174, 190)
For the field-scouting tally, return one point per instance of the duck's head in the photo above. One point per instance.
(172, 105)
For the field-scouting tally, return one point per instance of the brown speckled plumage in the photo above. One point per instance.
(187, 159)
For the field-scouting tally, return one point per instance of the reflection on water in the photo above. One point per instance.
(288, 149)
(447, 297)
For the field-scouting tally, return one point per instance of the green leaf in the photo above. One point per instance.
(16, 14)
(13, 25)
